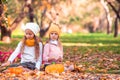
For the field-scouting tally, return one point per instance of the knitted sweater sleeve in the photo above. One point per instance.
(39, 61)
(15, 53)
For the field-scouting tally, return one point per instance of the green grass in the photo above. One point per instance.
(96, 41)
(93, 38)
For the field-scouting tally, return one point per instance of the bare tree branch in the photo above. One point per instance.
(116, 12)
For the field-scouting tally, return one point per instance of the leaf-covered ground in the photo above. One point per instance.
(89, 66)
(32, 75)
(93, 60)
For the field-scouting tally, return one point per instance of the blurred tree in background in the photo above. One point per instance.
(73, 16)
(115, 5)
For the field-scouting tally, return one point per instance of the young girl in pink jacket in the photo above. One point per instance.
(53, 49)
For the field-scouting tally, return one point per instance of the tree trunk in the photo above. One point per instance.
(116, 27)
(5, 34)
(42, 32)
(31, 13)
(109, 21)
(116, 19)
(1, 8)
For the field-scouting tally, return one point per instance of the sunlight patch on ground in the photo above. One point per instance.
(86, 44)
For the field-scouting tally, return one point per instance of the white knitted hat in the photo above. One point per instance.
(32, 26)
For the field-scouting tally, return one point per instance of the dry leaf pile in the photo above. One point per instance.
(41, 75)
(92, 65)
(95, 62)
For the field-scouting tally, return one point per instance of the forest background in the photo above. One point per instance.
(90, 29)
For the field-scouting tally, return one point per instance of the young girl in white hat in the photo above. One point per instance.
(30, 48)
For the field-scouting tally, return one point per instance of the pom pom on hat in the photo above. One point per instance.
(54, 28)
(32, 26)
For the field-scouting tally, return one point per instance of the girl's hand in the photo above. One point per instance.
(59, 59)
(6, 64)
(51, 59)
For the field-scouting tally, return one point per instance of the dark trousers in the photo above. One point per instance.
(28, 65)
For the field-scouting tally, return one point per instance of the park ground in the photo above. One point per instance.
(96, 55)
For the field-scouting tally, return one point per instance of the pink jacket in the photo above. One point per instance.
(52, 51)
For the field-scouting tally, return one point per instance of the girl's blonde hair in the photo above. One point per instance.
(37, 40)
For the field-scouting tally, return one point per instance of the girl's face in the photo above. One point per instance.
(29, 34)
(54, 36)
